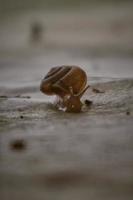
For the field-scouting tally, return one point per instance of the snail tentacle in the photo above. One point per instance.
(83, 91)
(71, 90)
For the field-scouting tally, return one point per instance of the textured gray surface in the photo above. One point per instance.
(49, 154)
(65, 154)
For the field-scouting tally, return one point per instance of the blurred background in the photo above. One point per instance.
(97, 35)
(44, 153)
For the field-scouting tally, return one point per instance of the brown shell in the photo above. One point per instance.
(64, 77)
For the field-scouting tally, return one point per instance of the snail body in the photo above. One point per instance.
(68, 83)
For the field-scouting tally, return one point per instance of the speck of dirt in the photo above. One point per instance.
(18, 145)
(21, 116)
(97, 90)
(128, 112)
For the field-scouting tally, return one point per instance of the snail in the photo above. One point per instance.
(68, 83)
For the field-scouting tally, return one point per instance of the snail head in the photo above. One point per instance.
(72, 101)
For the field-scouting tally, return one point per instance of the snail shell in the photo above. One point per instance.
(67, 82)
(63, 77)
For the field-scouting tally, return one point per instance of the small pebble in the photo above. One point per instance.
(128, 112)
(18, 145)
(88, 102)
(21, 116)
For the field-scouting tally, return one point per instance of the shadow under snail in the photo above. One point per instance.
(68, 83)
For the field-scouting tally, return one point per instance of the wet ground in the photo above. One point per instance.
(50, 154)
